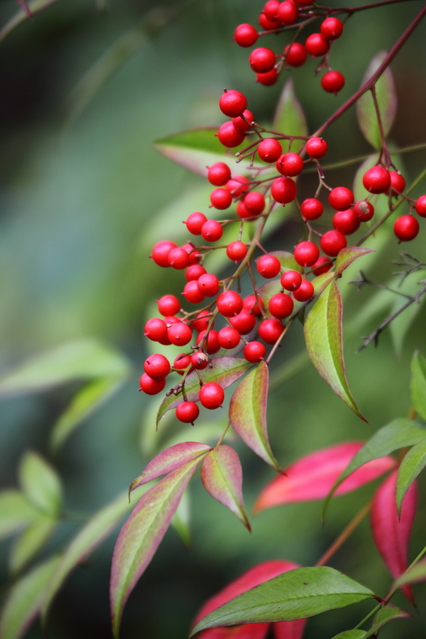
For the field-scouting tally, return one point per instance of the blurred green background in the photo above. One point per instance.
(84, 195)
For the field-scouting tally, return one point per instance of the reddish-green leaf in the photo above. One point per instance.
(169, 460)
(247, 413)
(384, 616)
(41, 484)
(411, 467)
(347, 255)
(418, 384)
(141, 535)
(222, 477)
(323, 335)
(289, 117)
(414, 575)
(350, 634)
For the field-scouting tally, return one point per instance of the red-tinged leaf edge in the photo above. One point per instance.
(348, 255)
(24, 5)
(413, 575)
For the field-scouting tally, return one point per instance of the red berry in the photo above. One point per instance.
(331, 28)
(317, 45)
(376, 179)
(420, 206)
(244, 322)
(212, 231)
(229, 303)
(333, 81)
(236, 251)
(305, 291)
(168, 305)
(208, 284)
(341, 198)
(322, 265)
(211, 395)
(267, 79)
(406, 228)
(306, 253)
(364, 210)
(284, 190)
(180, 334)
(269, 150)
(245, 35)
(194, 256)
(187, 412)
(171, 319)
(398, 183)
(199, 360)
(155, 329)
(229, 337)
(237, 185)
(178, 258)
(160, 252)
(194, 222)
(221, 199)
(218, 174)
(157, 366)
(232, 103)
(295, 54)
(347, 222)
(290, 164)
(254, 202)
(254, 351)
(192, 293)
(181, 362)
(304, 3)
(291, 280)
(311, 208)
(202, 320)
(194, 271)
(262, 60)
(270, 9)
(243, 124)
(268, 266)
(229, 136)
(242, 211)
(280, 305)
(151, 386)
(332, 243)
(270, 330)
(250, 303)
(316, 147)
(287, 13)
(267, 24)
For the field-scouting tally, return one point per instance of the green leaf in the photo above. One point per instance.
(347, 256)
(247, 413)
(287, 261)
(182, 518)
(224, 370)
(350, 634)
(295, 594)
(385, 614)
(25, 600)
(418, 384)
(411, 466)
(30, 541)
(386, 99)
(15, 512)
(82, 405)
(289, 117)
(323, 335)
(40, 484)
(397, 434)
(85, 359)
(141, 535)
(413, 575)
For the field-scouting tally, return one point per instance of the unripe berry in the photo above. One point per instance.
(311, 208)
(181, 362)
(192, 293)
(398, 183)
(151, 386)
(262, 60)
(202, 321)
(295, 54)
(187, 412)
(284, 190)
(322, 265)
(194, 271)
(287, 13)
(255, 306)
(268, 266)
(218, 174)
(406, 228)
(179, 334)
(270, 330)
(341, 198)
(376, 179)
(333, 82)
(280, 305)
(241, 124)
(221, 199)
(236, 251)
(211, 395)
(232, 103)
(199, 360)
(316, 147)
(305, 292)
(317, 45)
(254, 352)
(229, 136)
(244, 322)
(160, 252)
(267, 79)
(245, 35)
(290, 164)
(237, 185)
(254, 202)
(347, 222)
(364, 210)
(212, 231)
(168, 305)
(331, 28)
(420, 206)
(210, 342)
(291, 280)
(229, 303)
(178, 258)
(332, 243)
(157, 366)
(269, 150)
(229, 337)
(208, 284)
(306, 253)
(155, 329)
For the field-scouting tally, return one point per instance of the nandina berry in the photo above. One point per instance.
(242, 212)
(209, 342)
(208, 284)
(171, 319)
(270, 9)
(151, 386)
(290, 164)
(267, 24)
(280, 305)
(199, 360)
(347, 222)
(268, 266)
(341, 198)
(254, 202)
(236, 251)
(270, 330)
(305, 291)
(331, 28)
(244, 322)
(316, 147)
(304, 3)
(212, 231)
(229, 337)
(157, 366)
(221, 199)
(254, 351)
(406, 228)
(364, 210)
(420, 206)
(232, 103)
(398, 183)
(202, 320)
(316, 45)
(155, 329)
(229, 303)
(194, 222)
(168, 305)
(287, 13)
(306, 253)
(332, 243)
(333, 82)
(192, 293)
(322, 265)
(295, 54)
(229, 136)
(218, 174)
(187, 412)
(267, 79)
(269, 150)
(160, 252)
(181, 362)
(178, 258)
(284, 190)
(243, 121)
(311, 208)
(376, 179)
(291, 280)
(211, 395)
(180, 334)
(194, 256)
(245, 35)
(262, 60)
(250, 303)
(237, 185)
(194, 271)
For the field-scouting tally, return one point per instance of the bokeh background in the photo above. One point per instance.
(85, 89)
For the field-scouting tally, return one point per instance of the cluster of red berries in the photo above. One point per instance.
(277, 16)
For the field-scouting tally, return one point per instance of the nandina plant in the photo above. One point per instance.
(229, 329)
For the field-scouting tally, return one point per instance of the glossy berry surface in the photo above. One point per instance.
(181, 362)
(229, 303)
(229, 337)
(316, 45)
(209, 342)
(151, 386)
(157, 366)
(290, 164)
(333, 81)
(254, 202)
(160, 253)
(187, 412)
(306, 253)
(284, 190)
(218, 174)
(295, 54)
(420, 206)
(195, 222)
(270, 330)
(322, 265)
(377, 179)
(243, 122)
(331, 28)
(254, 351)
(397, 185)
(341, 198)
(347, 222)
(364, 210)
(267, 79)
(280, 305)
(238, 185)
(232, 103)
(268, 266)
(194, 271)
(211, 395)
(229, 136)
(192, 293)
(212, 231)
(245, 35)
(236, 251)
(221, 199)
(287, 13)
(155, 329)
(250, 303)
(168, 305)
(199, 360)
(262, 60)
(179, 334)
(291, 280)
(316, 147)
(269, 150)
(406, 228)
(202, 321)
(311, 208)
(244, 322)
(332, 242)
(305, 292)
(208, 284)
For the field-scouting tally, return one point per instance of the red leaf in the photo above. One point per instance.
(289, 629)
(391, 533)
(312, 476)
